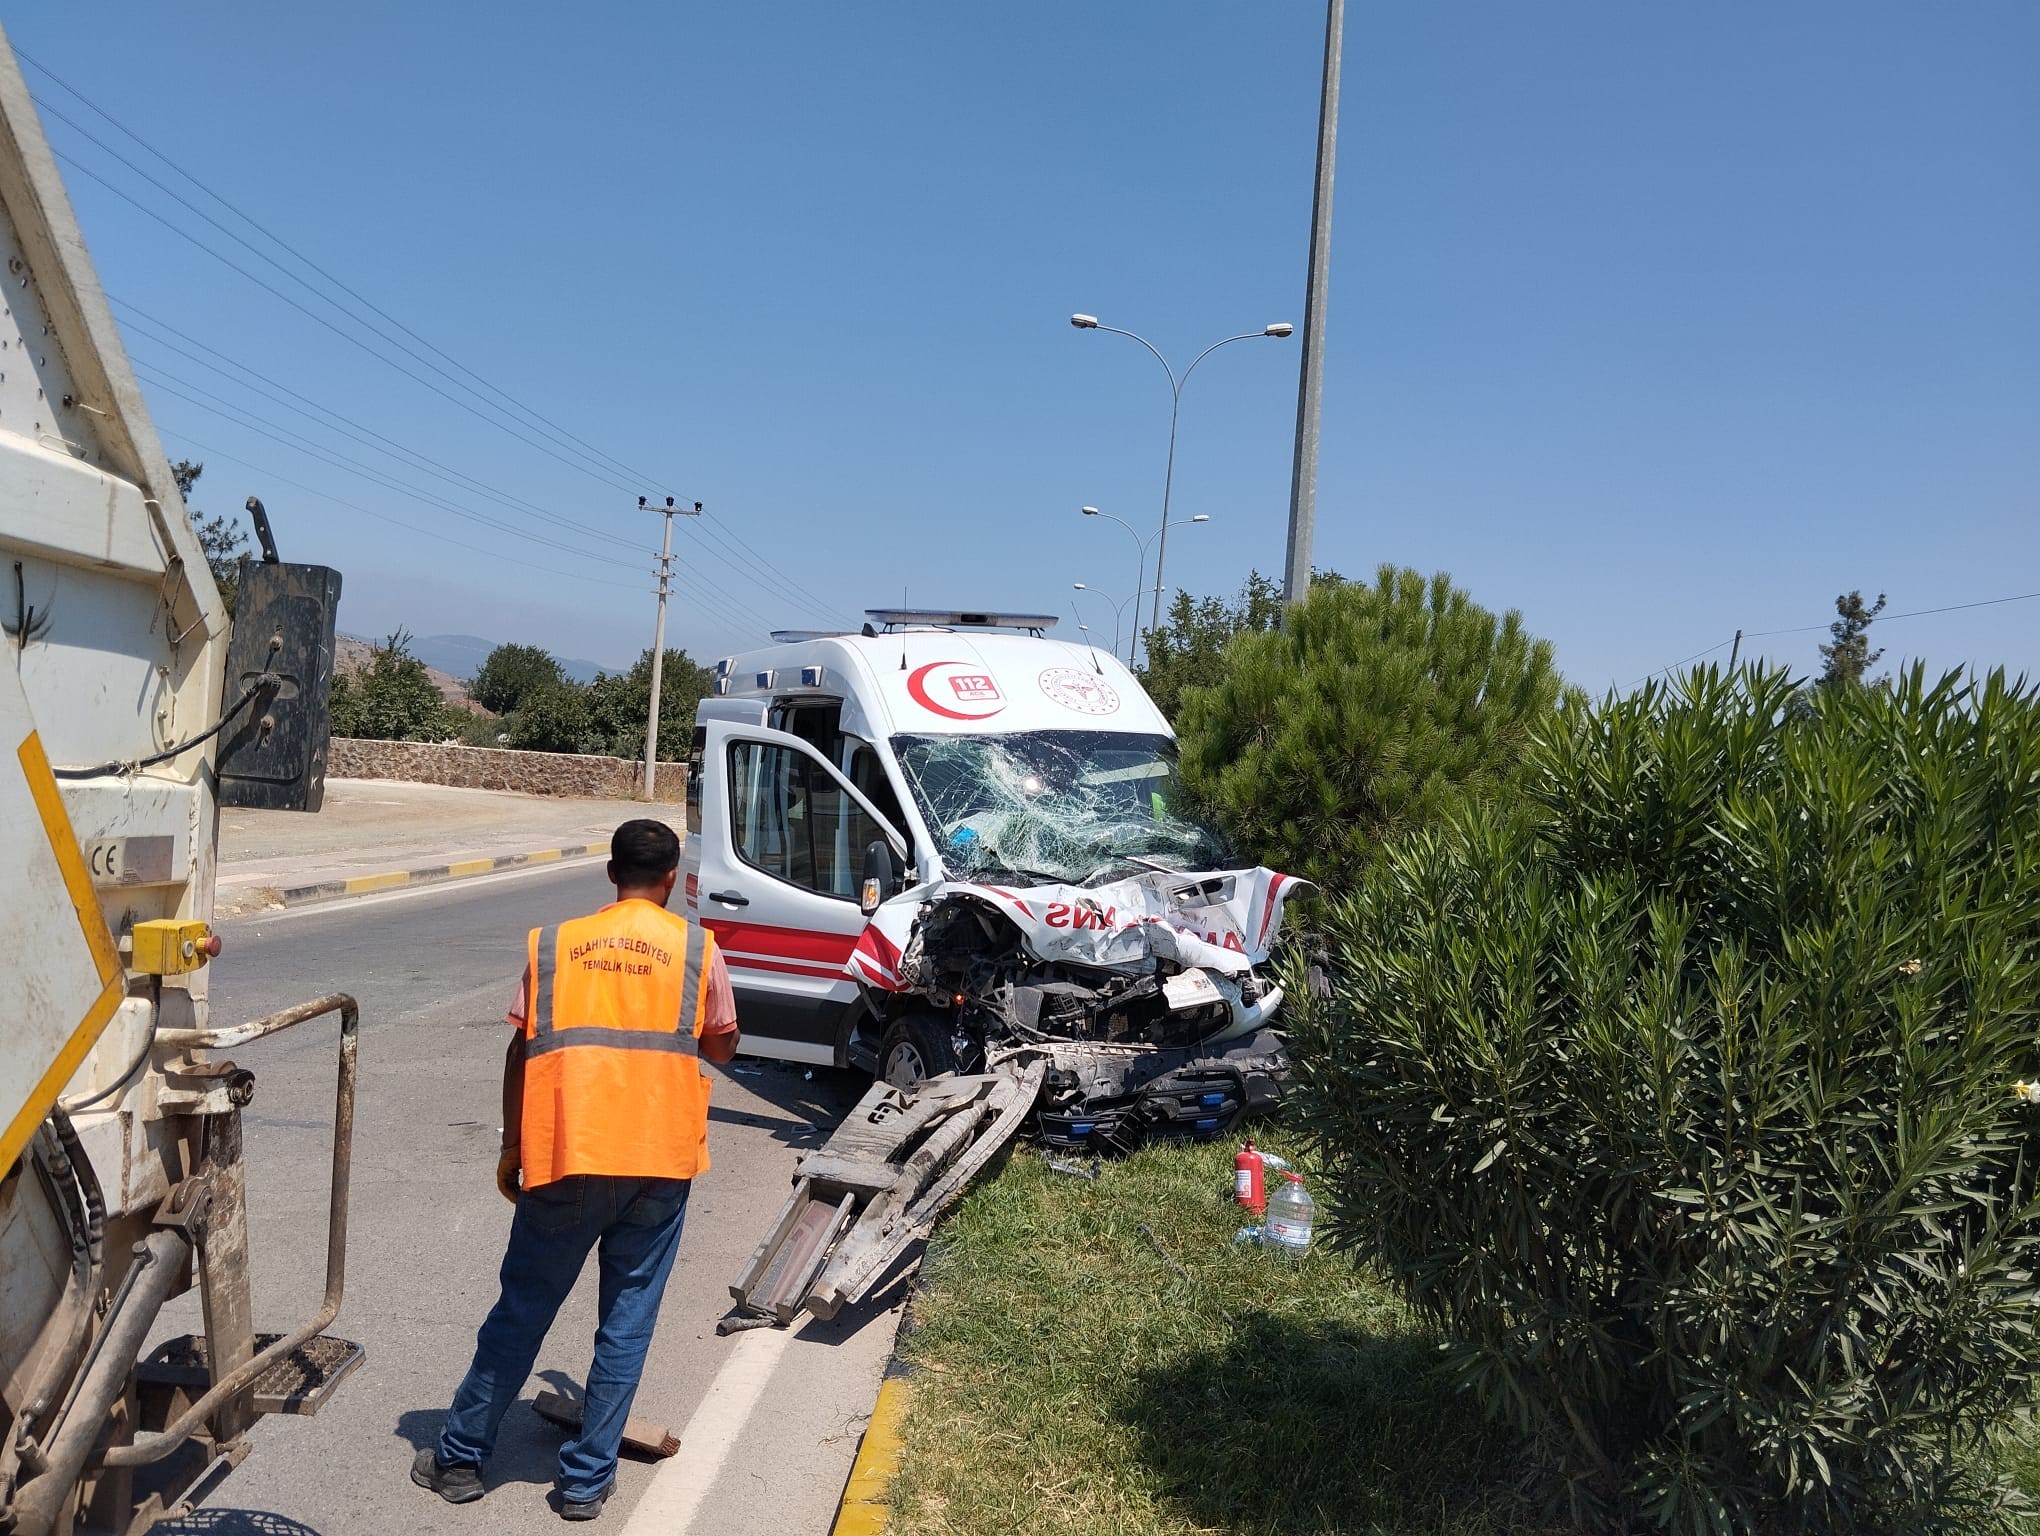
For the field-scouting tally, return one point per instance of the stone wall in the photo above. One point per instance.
(531, 773)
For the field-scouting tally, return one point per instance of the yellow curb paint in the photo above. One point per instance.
(469, 867)
(544, 856)
(361, 884)
(864, 1510)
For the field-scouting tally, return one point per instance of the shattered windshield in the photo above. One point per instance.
(1065, 806)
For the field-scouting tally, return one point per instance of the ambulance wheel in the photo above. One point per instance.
(915, 1048)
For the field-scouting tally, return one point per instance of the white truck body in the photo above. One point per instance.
(120, 1167)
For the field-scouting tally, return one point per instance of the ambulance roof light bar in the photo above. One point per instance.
(1036, 624)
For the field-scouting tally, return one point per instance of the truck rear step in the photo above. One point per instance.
(300, 1382)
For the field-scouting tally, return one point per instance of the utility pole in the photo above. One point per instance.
(659, 635)
(1310, 385)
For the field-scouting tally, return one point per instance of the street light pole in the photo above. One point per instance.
(1140, 577)
(659, 635)
(1090, 323)
(1118, 613)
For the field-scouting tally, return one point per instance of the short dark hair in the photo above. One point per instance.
(642, 853)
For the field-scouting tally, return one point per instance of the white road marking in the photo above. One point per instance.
(681, 1484)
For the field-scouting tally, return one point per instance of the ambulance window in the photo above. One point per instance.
(864, 770)
(790, 819)
(695, 749)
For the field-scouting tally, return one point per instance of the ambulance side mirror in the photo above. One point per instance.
(882, 876)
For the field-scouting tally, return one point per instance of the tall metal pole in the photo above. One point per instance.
(659, 638)
(1168, 483)
(1310, 382)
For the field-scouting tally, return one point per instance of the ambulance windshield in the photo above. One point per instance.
(1065, 806)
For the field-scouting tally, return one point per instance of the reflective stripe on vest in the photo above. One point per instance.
(613, 1083)
(546, 1036)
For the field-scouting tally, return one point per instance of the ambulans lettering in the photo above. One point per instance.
(1079, 918)
(1062, 914)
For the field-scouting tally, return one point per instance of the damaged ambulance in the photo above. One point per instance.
(949, 842)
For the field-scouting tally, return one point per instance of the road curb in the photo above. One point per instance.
(866, 1504)
(463, 869)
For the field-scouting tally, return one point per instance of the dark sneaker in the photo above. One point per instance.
(586, 1509)
(456, 1485)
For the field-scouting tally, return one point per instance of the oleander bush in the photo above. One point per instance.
(1689, 1099)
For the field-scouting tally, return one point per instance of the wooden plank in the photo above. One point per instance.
(640, 1435)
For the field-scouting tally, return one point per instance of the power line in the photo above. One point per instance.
(347, 426)
(600, 464)
(270, 288)
(768, 581)
(211, 453)
(743, 624)
(1807, 629)
(533, 417)
(288, 439)
(149, 369)
(763, 578)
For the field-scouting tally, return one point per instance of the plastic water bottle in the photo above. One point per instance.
(1291, 1215)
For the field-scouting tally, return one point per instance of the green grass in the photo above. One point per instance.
(1068, 1380)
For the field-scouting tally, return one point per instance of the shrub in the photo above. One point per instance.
(1373, 711)
(510, 673)
(391, 698)
(1684, 1099)
(619, 702)
(554, 718)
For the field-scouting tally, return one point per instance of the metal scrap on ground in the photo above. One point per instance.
(899, 1158)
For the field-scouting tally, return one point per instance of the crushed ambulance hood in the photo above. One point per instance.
(1223, 921)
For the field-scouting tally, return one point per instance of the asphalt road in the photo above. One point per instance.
(434, 970)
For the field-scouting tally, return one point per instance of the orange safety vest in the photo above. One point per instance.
(612, 1071)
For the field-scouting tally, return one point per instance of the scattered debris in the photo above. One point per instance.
(875, 1187)
(1073, 1168)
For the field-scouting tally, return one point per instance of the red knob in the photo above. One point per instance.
(212, 945)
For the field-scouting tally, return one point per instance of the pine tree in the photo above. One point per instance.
(220, 539)
(1373, 711)
(1189, 651)
(1850, 657)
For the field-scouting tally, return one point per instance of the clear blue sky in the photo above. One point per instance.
(1650, 321)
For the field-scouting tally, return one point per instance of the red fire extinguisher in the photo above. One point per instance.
(1247, 1171)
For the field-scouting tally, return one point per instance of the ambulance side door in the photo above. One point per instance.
(774, 872)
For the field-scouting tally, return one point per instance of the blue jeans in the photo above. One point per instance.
(637, 1223)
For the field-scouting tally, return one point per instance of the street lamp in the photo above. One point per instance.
(1140, 578)
(1118, 612)
(1090, 323)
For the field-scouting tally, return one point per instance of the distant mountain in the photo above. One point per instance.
(463, 655)
(452, 660)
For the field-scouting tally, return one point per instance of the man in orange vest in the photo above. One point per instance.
(605, 1115)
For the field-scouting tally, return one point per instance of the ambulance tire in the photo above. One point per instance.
(916, 1047)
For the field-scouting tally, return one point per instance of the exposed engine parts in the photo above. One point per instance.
(1162, 1049)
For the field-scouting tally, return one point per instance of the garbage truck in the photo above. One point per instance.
(132, 708)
